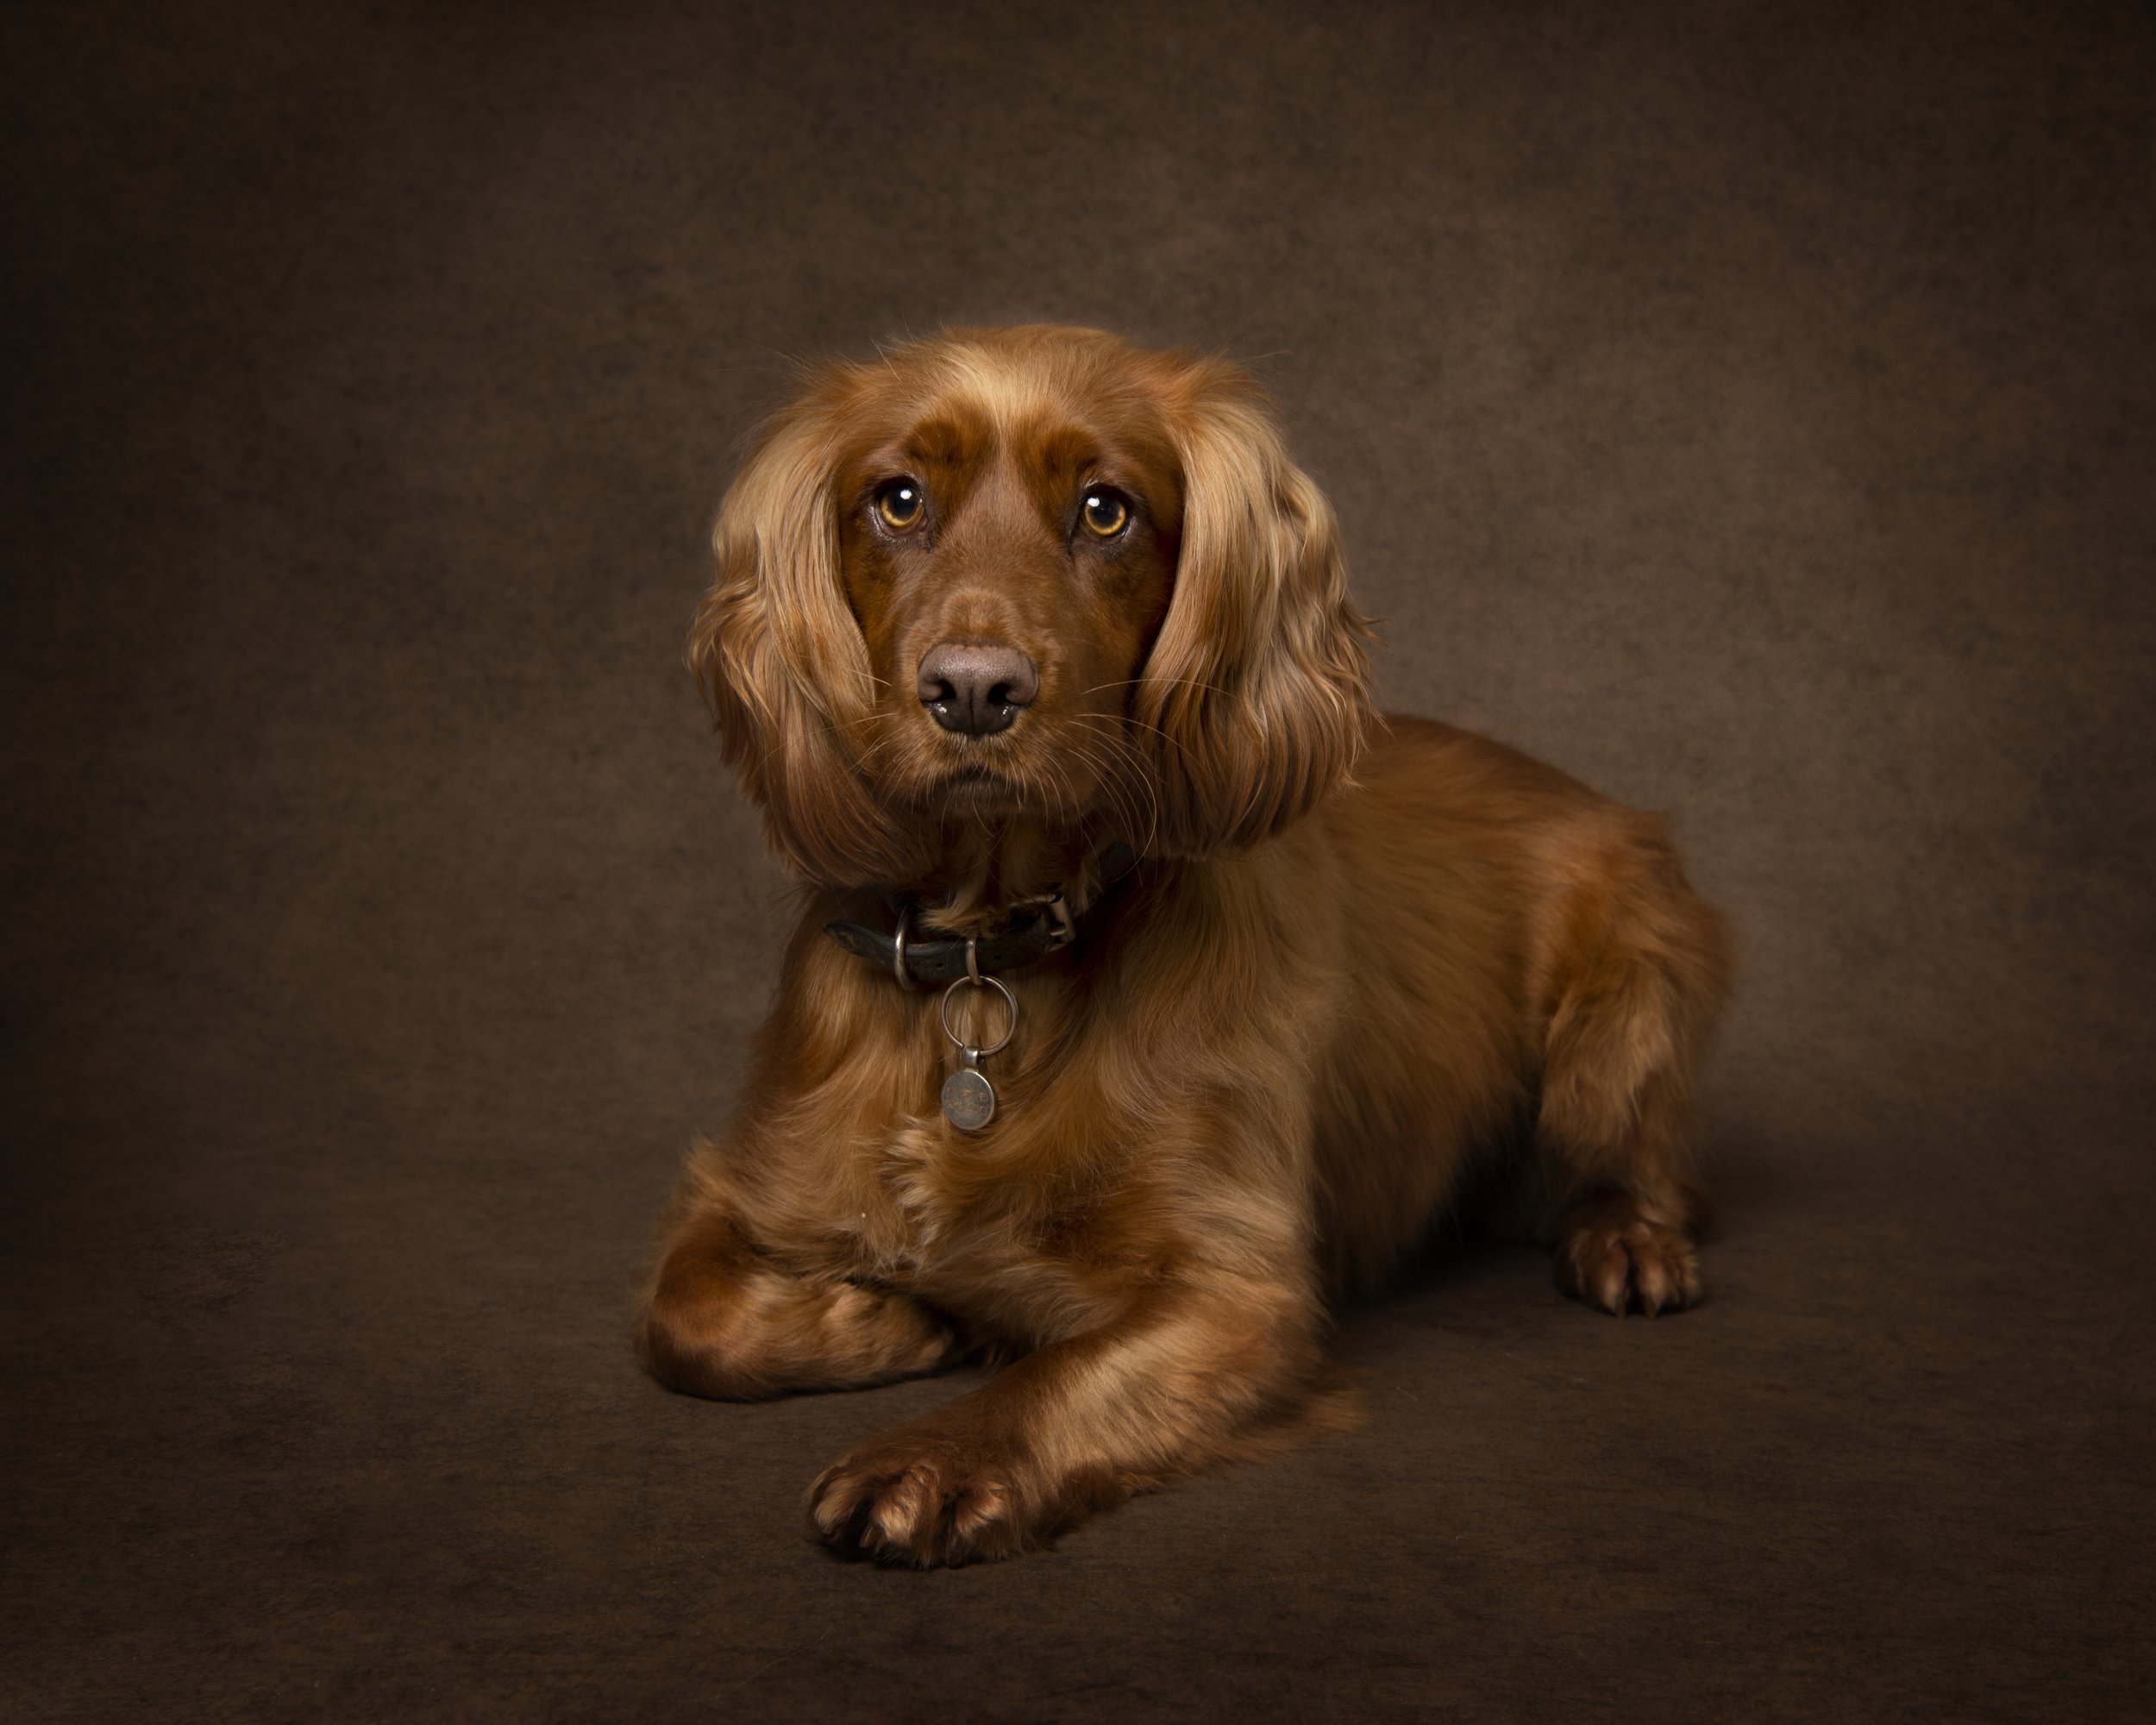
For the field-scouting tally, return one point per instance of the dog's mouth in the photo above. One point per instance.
(973, 783)
(995, 777)
(973, 787)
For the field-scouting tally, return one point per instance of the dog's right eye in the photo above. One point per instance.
(898, 504)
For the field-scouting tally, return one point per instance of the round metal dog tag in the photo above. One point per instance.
(969, 1099)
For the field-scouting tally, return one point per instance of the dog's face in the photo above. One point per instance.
(1030, 579)
(1009, 556)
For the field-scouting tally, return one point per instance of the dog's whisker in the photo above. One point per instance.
(1172, 741)
(1160, 681)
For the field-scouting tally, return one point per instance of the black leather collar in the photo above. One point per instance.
(1029, 933)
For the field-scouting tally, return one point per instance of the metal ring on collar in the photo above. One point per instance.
(1010, 1000)
(898, 947)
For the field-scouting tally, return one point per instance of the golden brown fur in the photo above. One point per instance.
(1322, 1010)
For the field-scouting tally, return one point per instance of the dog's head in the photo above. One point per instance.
(1028, 578)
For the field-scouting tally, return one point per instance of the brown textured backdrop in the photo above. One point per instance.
(1747, 408)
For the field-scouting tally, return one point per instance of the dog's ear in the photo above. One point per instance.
(1255, 699)
(782, 661)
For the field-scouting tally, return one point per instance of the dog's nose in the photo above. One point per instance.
(976, 686)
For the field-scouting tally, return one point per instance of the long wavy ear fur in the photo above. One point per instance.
(1255, 699)
(782, 663)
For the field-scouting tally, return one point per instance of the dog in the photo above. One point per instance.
(1151, 994)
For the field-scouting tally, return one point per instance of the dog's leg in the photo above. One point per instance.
(1076, 1426)
(1638, 993)
(722, 1320)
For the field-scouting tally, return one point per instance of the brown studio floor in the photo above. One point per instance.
(1749, 409)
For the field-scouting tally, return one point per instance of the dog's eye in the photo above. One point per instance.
(900, 505)
(1106, 514)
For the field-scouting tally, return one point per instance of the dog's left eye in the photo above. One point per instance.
(900, 505)
(1106, 514)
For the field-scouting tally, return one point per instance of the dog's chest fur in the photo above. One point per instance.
(1004, 1229)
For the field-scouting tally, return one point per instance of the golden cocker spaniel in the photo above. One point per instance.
(1151, 992)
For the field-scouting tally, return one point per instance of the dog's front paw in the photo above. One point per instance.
(912, 1497)
(1618, 1259)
